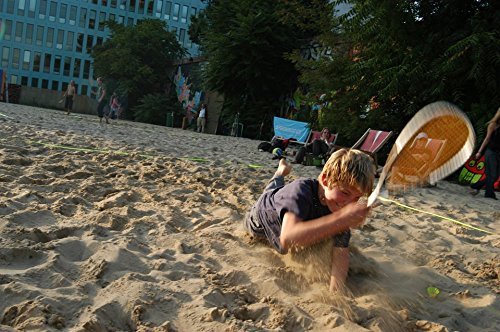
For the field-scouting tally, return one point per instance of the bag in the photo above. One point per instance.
(265, 147)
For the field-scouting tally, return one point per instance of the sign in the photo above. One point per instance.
(291, 129)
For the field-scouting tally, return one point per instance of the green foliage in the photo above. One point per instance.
(153, 108)
(246, 46)
(406, 54)
(137, 58)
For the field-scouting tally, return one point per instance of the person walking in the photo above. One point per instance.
(69, 95)
(491, 149)
(101, 100)
(202, 118)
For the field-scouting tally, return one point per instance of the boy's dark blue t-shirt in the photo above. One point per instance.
(299, 197)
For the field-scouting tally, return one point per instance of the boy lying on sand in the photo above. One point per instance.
(307, 211)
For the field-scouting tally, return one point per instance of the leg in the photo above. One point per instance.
(203, 122)
(491, 170)
(299, 157)
(251, 222)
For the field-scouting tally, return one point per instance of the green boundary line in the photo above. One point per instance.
(436, 215)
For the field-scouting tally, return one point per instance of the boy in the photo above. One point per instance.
(307, 211)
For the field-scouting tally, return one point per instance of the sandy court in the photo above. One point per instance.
(135, 227)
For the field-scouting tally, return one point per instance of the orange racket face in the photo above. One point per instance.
(436, 142)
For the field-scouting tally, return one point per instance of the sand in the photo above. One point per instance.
(121, 228)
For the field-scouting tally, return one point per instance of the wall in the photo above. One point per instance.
(50, 99)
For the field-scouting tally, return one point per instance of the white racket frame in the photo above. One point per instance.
(422, 117)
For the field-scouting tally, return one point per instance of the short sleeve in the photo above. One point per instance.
(342, 240)
(296, 198)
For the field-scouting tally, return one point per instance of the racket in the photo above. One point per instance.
(61, 101)
(433, 144)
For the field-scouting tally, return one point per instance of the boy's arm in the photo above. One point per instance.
(296, 232)
(340, 267)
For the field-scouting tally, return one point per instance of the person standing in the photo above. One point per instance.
(101, 100)
(69, 95)
(202, 118)
(491, 149)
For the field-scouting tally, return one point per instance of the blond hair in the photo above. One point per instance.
(349, 167)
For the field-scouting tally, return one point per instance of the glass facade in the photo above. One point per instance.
(47, 43)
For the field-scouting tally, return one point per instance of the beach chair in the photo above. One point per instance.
(372, 141)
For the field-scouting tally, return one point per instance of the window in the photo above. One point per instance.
(72, 15)
(46, 63)
(67, 65)
(184, 14)
(62, 13)
(34, 82)
(60, 39)
(150, 7)
(8, 30)
(112, 3)
(102, 19)
(10, 6)
(15, 58)
(31, 9)
(13, 79)
(132, 6)
(26, 60)
(90, 42)
(50, 37)
(45, 84)
(5, 56)
(130, 21)
(122, 4)
(39, 35)
(121, 19)
(52, 11)
(168, 9)
(112, 17)
(29, 34)
(79, 42)
(141, 6)
(42, 10)
(86, 69)
(69, 41)
(36, 61)
(19, 32)
(159, 6)
(83, 17)
(21, 6)
(92, 18)
(193, 12)
(99, 41)
(182, 35)
(175, 14)
(57, 64)
(24, 80)
(84, 90)
(55, 85)
(64, 86)
(76, 68)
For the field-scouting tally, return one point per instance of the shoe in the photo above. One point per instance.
(492, 197)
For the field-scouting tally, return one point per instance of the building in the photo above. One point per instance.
(47, 43)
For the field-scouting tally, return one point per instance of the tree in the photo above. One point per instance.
(246, 46)
(137, 58)
(392, 57)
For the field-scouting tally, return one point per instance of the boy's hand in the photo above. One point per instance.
(355, 213)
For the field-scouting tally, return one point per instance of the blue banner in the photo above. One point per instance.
(291, 129)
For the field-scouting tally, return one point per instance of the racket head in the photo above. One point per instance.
(434, 143)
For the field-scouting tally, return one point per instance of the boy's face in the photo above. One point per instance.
(340, 195)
